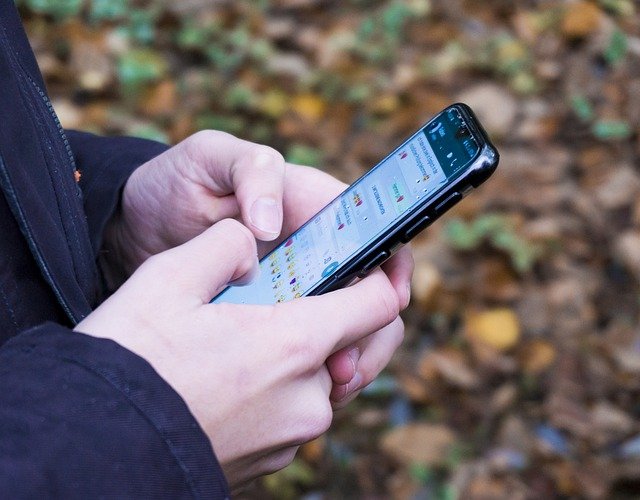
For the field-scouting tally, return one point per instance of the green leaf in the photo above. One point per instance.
(611, 130)
(232, 124)
(191, 36)
(60, 9)
(108, 10)
(621, 8)
(421, 473)
(141, 66)
(462, 236)
(240, 96)
(142, 25)
(394, 19)
(304, 155)
(616, 50)
(582, 108)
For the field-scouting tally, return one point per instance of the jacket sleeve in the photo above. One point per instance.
(82, 417)
(105, 164)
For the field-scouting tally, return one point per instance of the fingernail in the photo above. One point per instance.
(408, 295)
(355, 383)
(354, 356)
(265, 216)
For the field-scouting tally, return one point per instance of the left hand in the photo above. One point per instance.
(176, 196)
(213, 175)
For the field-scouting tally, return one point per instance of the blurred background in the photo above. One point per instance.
(520, 374)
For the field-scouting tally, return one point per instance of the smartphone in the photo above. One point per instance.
(384, 209)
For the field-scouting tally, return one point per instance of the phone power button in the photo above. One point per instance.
(373, 263)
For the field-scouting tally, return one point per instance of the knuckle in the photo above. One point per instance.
(243, 240)
(317, 420)
(277, 158)
(299, 350)
(204, 137)
(161, 268)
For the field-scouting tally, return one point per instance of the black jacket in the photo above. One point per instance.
(80, 417)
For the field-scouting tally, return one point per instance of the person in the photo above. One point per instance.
(132, 395)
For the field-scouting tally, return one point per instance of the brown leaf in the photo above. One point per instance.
(581, 19)
(419, 443)
(537, 356)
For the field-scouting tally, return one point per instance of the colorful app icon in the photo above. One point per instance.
(398, 195)
(330, 269)
(357, 199)
(289, 242)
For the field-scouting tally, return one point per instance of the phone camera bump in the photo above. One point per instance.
(462, 132)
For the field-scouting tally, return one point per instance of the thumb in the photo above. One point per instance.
(252, 172)
(204, 265)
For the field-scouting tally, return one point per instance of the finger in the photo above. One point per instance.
(307, 190)
(207, 263)
(399, 269)
(342, 365)
(341, 403)
(254, 173)
(258, 183)
(376, 354)
(345, 316)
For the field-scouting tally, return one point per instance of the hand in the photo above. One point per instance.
(176, 196)
(253, 376)
(213, 175)
(306, 191)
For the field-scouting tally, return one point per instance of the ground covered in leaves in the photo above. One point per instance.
(520, 373)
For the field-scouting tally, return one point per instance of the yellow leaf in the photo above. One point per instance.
(309, 107)
(274, 103)
(385, 104)
(496, 328)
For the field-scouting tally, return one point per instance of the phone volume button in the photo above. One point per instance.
(416, 228)
(373, 263)
(450, 201)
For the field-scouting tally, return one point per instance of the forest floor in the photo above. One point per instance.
(520, 373)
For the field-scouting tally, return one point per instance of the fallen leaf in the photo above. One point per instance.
(496, 328)
(537, 356)
(581, 19)
(419, 443)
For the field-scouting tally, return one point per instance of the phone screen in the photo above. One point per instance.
(403, 181)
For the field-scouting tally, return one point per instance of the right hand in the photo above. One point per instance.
(253, 376)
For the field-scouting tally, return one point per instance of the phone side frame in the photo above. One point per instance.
(393, 239)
